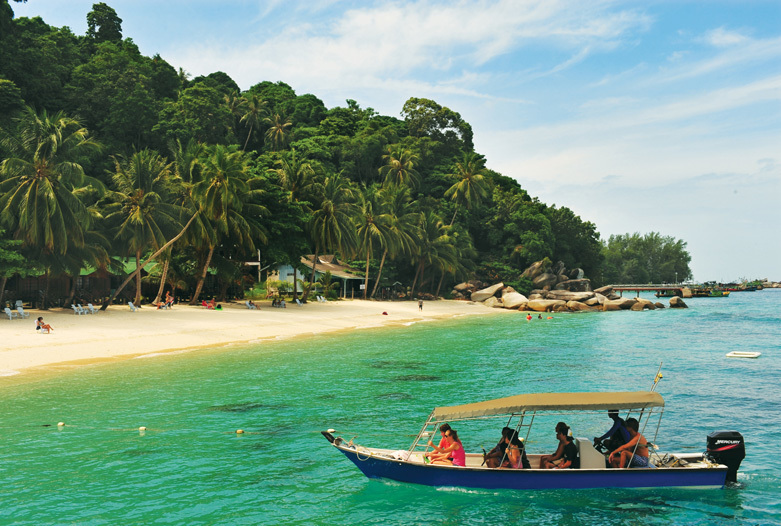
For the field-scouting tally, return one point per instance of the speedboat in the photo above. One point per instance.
(714, 468)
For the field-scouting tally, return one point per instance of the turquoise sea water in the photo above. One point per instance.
(190, 467)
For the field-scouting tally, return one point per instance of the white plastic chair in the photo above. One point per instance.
(84, 310)
(21, 312)
(77, 310)
(132, 307)
(11, 315)
(92, 309)
(249, 305)
(298, 302)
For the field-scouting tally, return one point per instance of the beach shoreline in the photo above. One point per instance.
(119, 334)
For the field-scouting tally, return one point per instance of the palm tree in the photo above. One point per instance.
(186, 159)
(296, 176)
(373, 226)
(255, 110)
(141, 212)
(226, 202)
(331, 227)
(399, 168)
(279, 131)
(433, 245)
(40, 183)
(471, 187)
(403, 222)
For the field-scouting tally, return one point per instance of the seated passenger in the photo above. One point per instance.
(496, 457)
(616, 436)
(570, 458)
(516, 453)
(623, 456)
(551, 461)
(437, 453)
(455, 450)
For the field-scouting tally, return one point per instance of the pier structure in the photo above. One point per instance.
(676, 290)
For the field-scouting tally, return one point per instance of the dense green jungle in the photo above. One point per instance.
(112, 160)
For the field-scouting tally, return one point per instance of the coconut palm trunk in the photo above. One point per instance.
(418, 275)
(366, 277)
(379, 273)
(162, 282)
(441, 279)
(137, 299)
(2, 289)
(150, 258)
(311, 276)
(198, 288)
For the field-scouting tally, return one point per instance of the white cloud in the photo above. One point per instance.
(721, 37)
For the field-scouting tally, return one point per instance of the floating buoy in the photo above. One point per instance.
(239, 431)
(332, 430)
(142, 428)
(60, 424)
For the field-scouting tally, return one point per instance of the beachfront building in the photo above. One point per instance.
(349, 282)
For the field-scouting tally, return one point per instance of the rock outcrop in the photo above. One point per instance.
(514, 300)
(677, 303)
(484, 294)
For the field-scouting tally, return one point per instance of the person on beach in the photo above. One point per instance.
(528, 317)
(212, 304)
(437, 453)
(455, 451)
(551, 461)
(169, 300)
(623, 456)
(420, 304)
(616, 436)
(41, 326)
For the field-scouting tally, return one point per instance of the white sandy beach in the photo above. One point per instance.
(118, 333)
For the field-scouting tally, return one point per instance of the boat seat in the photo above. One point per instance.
(590, 458)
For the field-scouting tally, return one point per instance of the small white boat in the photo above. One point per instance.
(743, 354)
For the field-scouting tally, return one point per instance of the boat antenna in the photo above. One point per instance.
(657, 377)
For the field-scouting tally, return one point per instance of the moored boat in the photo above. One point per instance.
(714, 468)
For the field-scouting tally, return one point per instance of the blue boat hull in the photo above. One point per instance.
(450, 476)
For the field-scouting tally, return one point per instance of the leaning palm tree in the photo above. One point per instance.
(399, 168)
(331, 227)
(141, 213)
(470, 188)
(227, 203)
(278, 133)
(254, 112)
(373, 226)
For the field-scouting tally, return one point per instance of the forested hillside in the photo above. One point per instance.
(108, 155)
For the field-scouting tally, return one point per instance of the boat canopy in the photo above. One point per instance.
(551, 402)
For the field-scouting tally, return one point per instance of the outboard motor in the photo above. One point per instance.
(728, 448)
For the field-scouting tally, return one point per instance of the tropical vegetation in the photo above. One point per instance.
(109, 156)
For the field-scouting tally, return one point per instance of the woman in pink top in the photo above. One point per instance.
(455, 450)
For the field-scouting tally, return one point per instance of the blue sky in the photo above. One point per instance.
(646, 116)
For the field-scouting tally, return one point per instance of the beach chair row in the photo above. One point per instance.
(79, 310)
(19, 314)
